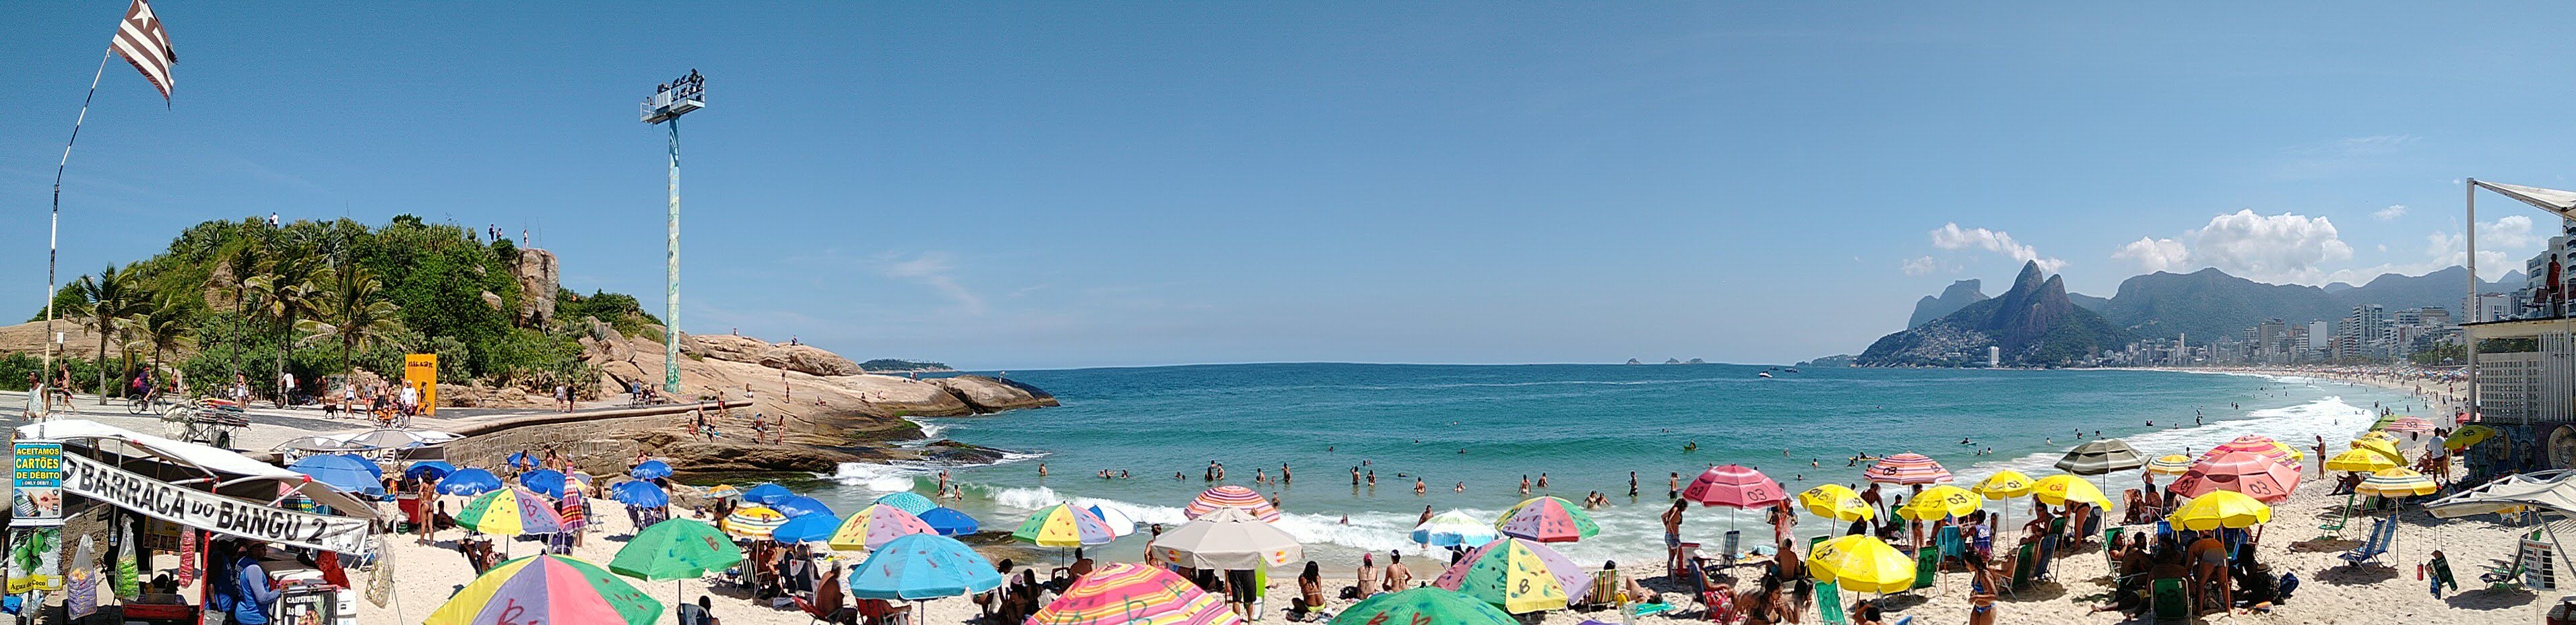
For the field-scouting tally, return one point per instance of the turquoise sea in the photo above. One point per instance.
(1583, 426)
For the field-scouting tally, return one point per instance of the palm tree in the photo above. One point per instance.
(241, 262)
(168, 325)
(286, 293)
(354, 312)
(105, 299)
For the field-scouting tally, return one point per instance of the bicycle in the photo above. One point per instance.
(150, 403)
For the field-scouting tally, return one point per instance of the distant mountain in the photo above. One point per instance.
(2211, 303)
(1959, 295)
(2034, 324)
(2088, 302)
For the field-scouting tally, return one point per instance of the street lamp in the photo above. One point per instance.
(668, 103)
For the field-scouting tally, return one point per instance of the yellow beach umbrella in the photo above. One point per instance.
(2361, 460)
(2374, 435)
(2005, 484)
(2397, 482)
(2056, 490)
(2170, 464)
(2382, 447)
(1837, 502)
(2469, 435)
(752, 522)
(1861, 564)
(2295, 454)
(1940, 502)
(2221, 508)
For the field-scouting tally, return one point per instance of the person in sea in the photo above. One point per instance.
(1419, 488)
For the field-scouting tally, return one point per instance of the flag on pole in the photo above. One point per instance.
(140, 39)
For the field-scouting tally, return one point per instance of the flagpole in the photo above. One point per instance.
(53, 235)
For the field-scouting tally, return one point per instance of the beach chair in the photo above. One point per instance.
(2047, 552)
(2111, 546)
(2343, 514)
(1829, 604)
(2056, 527)
(2504, 574)
(1728, 554)
(1927, 568)
(2170, 600)
(1951, 545)
(2025, 564)
(2381, 531)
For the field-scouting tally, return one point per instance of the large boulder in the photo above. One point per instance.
(989, 395)
(538, 281)
(809, 360)
(733, 347)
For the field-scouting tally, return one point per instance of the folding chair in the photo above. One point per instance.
(1927, 568)
(2381, 532)
(1829, 604)
(2170, 600)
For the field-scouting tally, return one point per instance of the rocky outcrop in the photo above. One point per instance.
(538, 282)
(808, 360)
(989, 395)
(2034, 324)
(733, 347)
(1959, 295)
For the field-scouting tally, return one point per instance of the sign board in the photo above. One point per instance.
(36, 497)
(211, 512)
(420, 371)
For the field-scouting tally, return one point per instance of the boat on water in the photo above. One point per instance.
(1793, 369)
(1763, 374)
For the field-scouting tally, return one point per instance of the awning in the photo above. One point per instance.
(2552, 200)
(200, 457)
(2553, 491)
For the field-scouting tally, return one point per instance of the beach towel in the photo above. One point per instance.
(1829, 604)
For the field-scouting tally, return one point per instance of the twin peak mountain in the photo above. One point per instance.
(2033, 324)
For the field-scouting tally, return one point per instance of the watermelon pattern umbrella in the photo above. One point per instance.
(1232, 496)
(1547, 520)
(908, 501)
(921, 567)
(1126, 593)
(1517, 575)
(1064, 525)
(510, 512)
(1907, 468)
(875, 526)
(547, 589)
(675, 549)
(1423, 605)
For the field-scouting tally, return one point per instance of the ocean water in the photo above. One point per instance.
(1585, 427)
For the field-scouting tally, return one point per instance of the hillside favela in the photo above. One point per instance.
(1012, 313)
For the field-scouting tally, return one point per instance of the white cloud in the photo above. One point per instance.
(2153, 254)
(1921, 266)
(2293, 249)
(1952, 237)
(934, 270)
(2392, 212)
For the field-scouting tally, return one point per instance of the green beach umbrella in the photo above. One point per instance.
(676, 549)
(1423, 605)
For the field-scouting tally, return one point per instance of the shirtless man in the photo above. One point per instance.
(1673, 536)
(1542, 481)
(1419, 488)
(1524, 484)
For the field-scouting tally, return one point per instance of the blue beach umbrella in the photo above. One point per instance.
(808, 528)
(651, 469)
(800, 506)
(469, 482)
(519, 457)
(548, 482)
(922, 567)
(908, 501)
(342, 471)
(765, 493)
(949, 522)
(639, 494)
(434, 469)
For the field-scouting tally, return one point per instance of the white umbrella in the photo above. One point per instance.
(1119, 523)
(1228, 539)
(1453, 528)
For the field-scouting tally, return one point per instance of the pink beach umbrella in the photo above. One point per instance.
(2411, 425)
(1232, 496)
(2254, 475)
(1734, 486)
(2254, 444)
(1907, 468)
(1547, 520)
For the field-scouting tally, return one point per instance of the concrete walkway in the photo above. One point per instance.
(270, 425)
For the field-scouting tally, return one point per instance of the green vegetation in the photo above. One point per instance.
(2442, 354)
(326, 298)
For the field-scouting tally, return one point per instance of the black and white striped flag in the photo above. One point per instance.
(140, 39)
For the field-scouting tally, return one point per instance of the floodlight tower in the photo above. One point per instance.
(667, 104)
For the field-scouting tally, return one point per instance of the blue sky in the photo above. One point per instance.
(1031, 185)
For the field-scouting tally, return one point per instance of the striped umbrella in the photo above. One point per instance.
(1837, 502)
(1232, 496)
(1517, 575)
(1547, 520)
(875, 526)
(2254, 444)
(1734, 486)
(546, 589)
(2244, 472)
(2417, 425)
(1907, 468)
(510, 512)
(2397, 482)
(2170, 464)
(908, 501)
(753, 521)
(1453, 528)
(1125, 593)
(2360, 460)
(1940, 502)
(1064, 525)
(2100, 457)
(2057, 490)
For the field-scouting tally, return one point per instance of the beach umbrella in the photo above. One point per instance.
(2412, 425)
(2360, 460)
(2004, 484)
(874, 526)
(1518, 576)
(584, 477)
(950, 522)
(639, 493)
(1232, 496)
(469, 482)
(807, 528)
(431, 469)
(1228, 539)
(2469, 435)
(921, 567)
(1064, 525)
(2101, 457)
(2057, 490)
(1453, 528)
(908, 501)
(1907, 468)
(799, 506)
(546, 589)
(1734, 486)
(1547, 520)
(2254, 444)
(2396, 482)
(2242, 472)
(548, 482)
(752, 521)
(1861, 563)
(316, 443)
(1123, 593)
(765, 492)
(1427, 605)
(344, 472)
(2382, 422)
(1940, 502)
(510, 512)
(1837, 502)
(650, 469)
(2384, 447)
(676, 549)
(1119, 523)
(389, 439)
(2224, 508)
(2170, 464)
(721, 491)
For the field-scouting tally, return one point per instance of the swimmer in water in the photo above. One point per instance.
(1691, 446)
